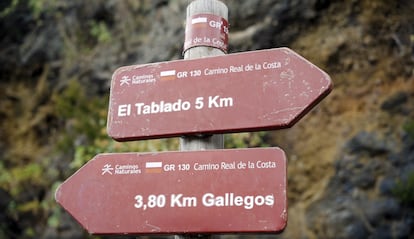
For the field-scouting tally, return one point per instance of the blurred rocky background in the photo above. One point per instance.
(351, 159)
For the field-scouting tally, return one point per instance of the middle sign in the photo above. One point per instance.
(258, 90)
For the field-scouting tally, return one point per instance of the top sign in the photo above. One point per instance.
(258, 90)
(207, 30)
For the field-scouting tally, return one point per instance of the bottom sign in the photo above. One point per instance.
(218, 191)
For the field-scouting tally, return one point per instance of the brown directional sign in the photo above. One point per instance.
(258, 90)
(220, 191)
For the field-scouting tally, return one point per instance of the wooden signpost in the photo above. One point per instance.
(207, 190)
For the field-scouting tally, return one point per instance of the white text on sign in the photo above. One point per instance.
(207, 200)
(230, 69)
(162, 106)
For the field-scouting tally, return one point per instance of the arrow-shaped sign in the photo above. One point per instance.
(220, 191)
(258, 90)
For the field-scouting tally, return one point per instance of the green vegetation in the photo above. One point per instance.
(247, 140)
(37, 7)
(6, 11)
(409, 128)
(99, 30)
(404, 190)
(40, 6)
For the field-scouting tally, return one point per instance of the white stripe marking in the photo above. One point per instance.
(153, 164)
(167, 73)
(199, 20)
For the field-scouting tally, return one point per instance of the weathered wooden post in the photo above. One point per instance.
(197, 46)
(219, 9)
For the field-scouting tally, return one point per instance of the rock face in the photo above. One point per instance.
(351, 159)
(359, 201)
